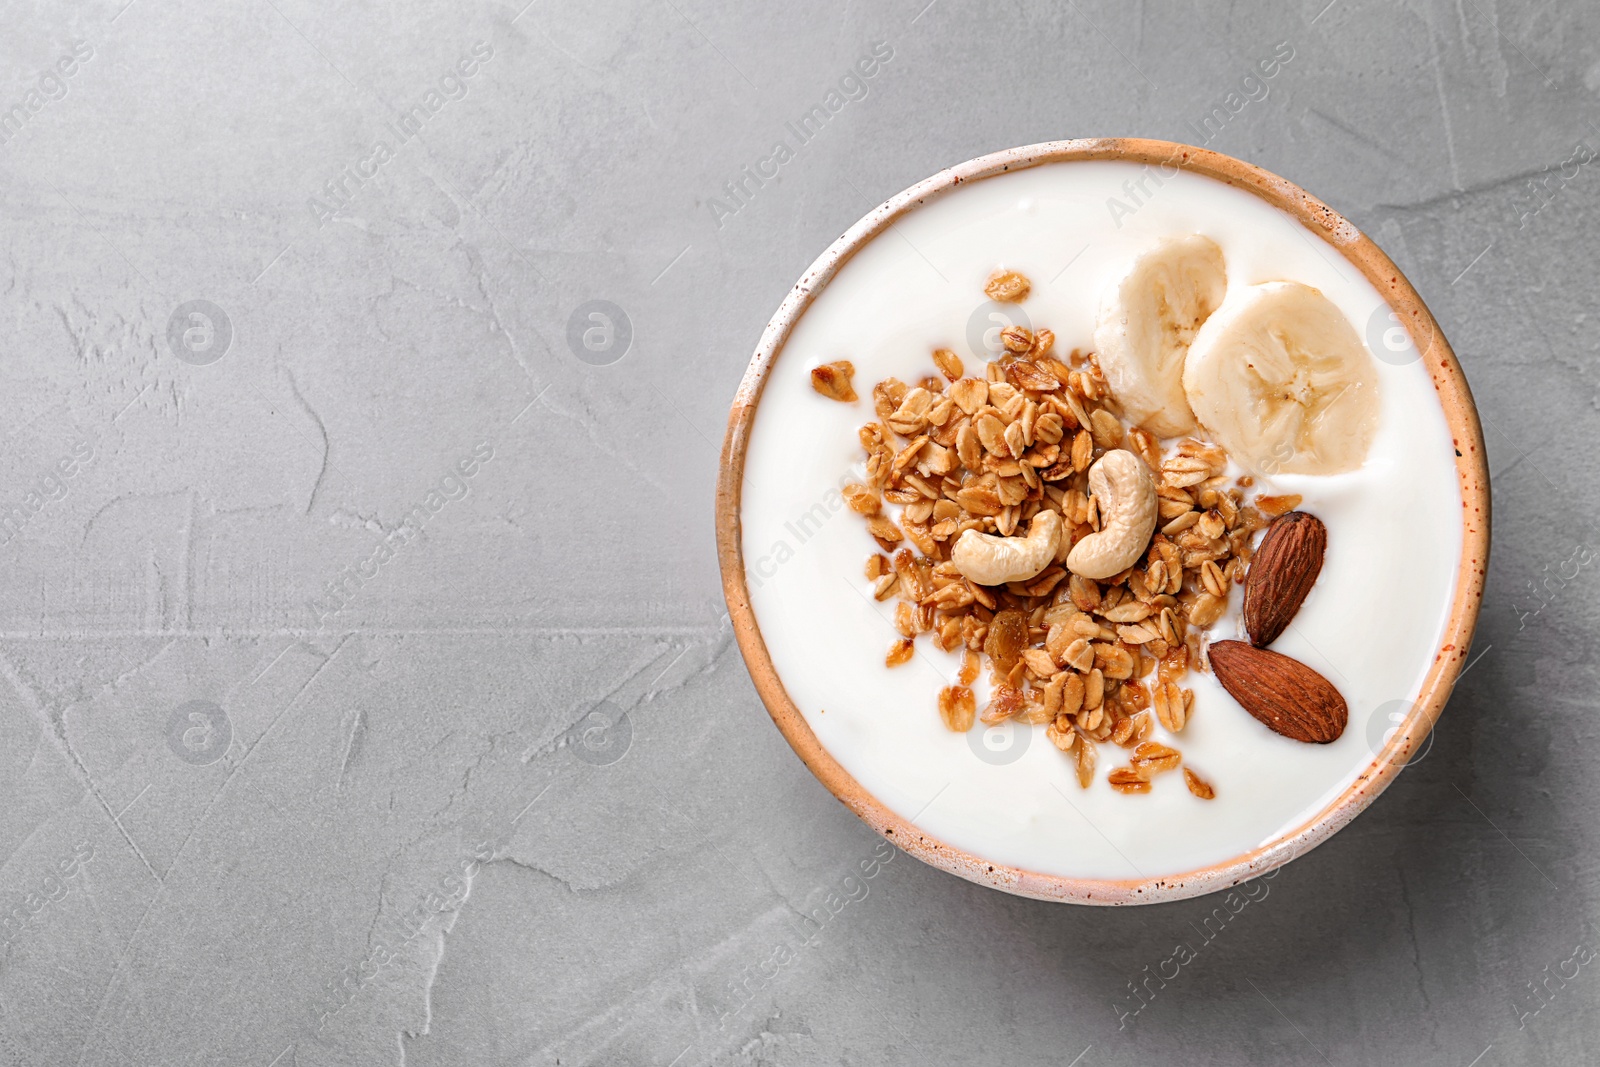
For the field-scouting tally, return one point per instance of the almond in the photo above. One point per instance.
(1282, 693)
(1282, 573)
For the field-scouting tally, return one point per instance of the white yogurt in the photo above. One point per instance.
(1371, 625)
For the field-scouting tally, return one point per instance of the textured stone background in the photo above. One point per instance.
(274, 875)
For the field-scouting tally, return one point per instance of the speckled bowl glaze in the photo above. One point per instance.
(1471, 470)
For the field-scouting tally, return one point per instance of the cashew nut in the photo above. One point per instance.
(1126, 495)
(991, 560)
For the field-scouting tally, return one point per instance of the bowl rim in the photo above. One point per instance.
(1455, 641)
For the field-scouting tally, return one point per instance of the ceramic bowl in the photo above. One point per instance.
(1471, 470)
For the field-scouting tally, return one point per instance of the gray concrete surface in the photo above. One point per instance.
(239, 812)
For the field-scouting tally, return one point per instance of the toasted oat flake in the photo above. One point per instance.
(1144, 726)
(883, 529)
(1114, 660)
(1029, 373)
(1094, 689)
(1017, 340)
(1172, 705)
(1040, 663)
(1127, 780)
(1151, 758)
(948, 362)
(832, 380)
(1198, 785)
(1122, 733)
(1079, 654)
(1007, 287)
(1085, 762)
(957, 707)
(905, 619)
(1105, 429)
(1207, 609)
(1004, 703)
(1273, 506)
(1071, 695)
(970, 394)
(862, 499)
(1063, 739)
(1184, 520)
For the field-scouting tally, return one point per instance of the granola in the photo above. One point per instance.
(1093, 662)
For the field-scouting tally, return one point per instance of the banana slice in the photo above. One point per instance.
(1147, 320)
(1280, 379)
